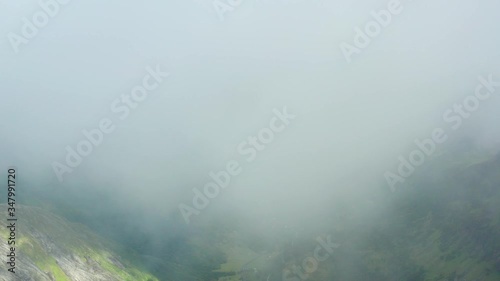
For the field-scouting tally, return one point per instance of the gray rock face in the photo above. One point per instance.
(49, 248)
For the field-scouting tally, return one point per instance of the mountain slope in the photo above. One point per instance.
(50, 248)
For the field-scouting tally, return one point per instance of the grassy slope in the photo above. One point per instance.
(448, 240)
(72, 239)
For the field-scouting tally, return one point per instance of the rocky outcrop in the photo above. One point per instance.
(49, 248)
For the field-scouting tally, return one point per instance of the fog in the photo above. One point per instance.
(226, 79)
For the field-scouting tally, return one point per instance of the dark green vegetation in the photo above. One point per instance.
(442, 224)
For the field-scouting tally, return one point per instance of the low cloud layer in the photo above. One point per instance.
(352, 118)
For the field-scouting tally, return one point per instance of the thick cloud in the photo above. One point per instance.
(352, 121)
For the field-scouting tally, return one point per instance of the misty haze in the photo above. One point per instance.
(250, 140)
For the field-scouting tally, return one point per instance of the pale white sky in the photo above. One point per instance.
(226, 78)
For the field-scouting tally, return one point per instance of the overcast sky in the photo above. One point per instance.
(227, 76)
